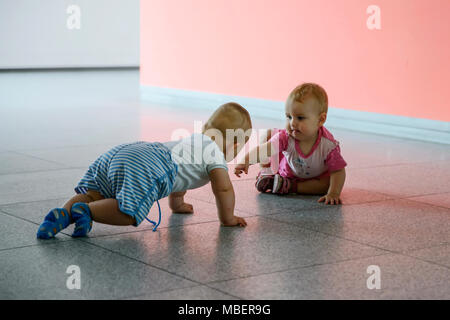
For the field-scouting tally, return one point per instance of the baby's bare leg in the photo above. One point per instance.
(177, 204)
(102, 210)
(314, 186)
(56, 220)
(107, 211)
(86, 198)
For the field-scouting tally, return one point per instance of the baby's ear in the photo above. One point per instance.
(322, 118)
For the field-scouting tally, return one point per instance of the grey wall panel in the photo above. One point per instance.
(36, 33)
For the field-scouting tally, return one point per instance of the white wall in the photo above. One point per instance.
(34, 34)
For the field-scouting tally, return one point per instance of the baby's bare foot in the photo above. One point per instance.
(184, 208)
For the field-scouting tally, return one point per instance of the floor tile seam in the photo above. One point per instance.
(193, 198)
(139, 261)
(407, 196)
(183, 225)
(17, 217)
(290, 210)
(147, 230)
(335, 236)
(38, 158)
(118, 233)
(389, 251)
(409, 253)
(61, 147)
(389, 198)
(138, 231)
(431, 194)
(188, 287)
(313, 265)
(39, 171)
(30, 202)
(346, 205)
(202, 222)
(37, 245)
(224, 292)
(425, 260)
(324, 207)
(159, 291)
(112, 251)
(442, 244)
(124, 256)
(243, 210)
(36, 224)
(269, 216)
(426, 203)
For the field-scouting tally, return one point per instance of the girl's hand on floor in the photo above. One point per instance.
(184, 208)
(330, 198)
(241, 168)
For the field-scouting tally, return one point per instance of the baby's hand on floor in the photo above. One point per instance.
(330, 198)
(184, 208)
(240, 168)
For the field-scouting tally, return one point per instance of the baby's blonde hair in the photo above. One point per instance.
(306, 90)
(230, 115)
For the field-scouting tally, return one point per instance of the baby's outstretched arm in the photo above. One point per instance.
(177, 204)
(260, 154)
(225, 199)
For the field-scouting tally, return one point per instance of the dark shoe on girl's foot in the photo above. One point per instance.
(281, 185)
(81, 215)
(264, 183)
(55, 221)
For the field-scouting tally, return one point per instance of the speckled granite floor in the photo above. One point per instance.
(396, 212)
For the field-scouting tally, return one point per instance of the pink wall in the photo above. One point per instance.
(262, 49)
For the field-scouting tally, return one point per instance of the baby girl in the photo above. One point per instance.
(304, 158)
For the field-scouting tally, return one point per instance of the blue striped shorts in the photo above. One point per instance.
(136, 174)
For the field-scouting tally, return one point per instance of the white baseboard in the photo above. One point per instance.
(397, 126)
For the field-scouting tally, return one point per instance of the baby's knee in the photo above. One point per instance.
(94, 195)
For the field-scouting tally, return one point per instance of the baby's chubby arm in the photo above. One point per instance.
(225, 199)
(337, 180)
(260, 154)
(177, 204)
